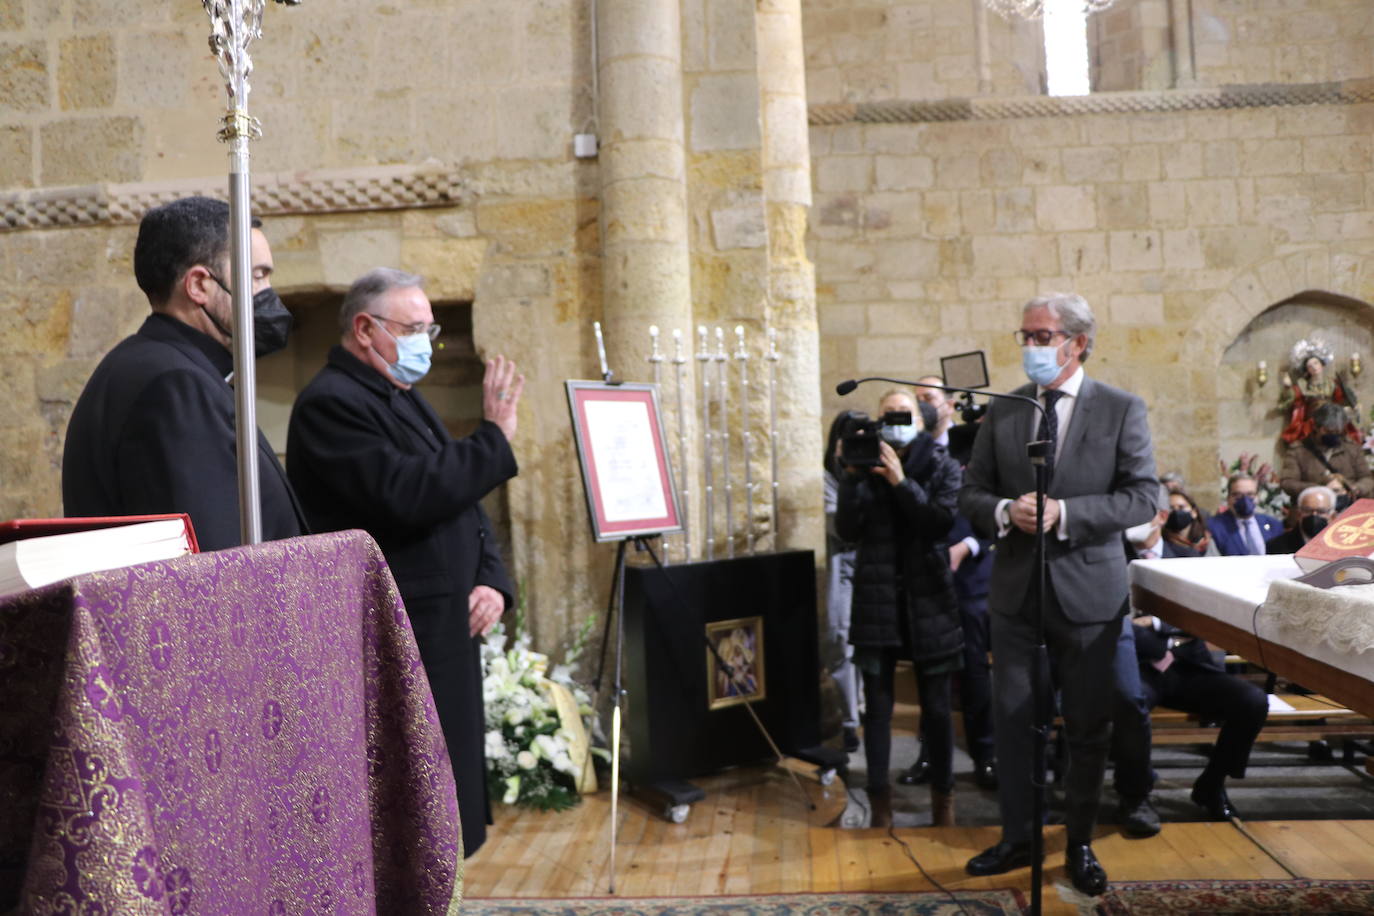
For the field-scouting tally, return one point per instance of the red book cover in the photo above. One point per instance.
(1350, 534)
(20, 528)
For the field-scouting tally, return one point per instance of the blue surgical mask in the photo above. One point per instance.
(1041, 364)
(1244, 506)
(898, 436)
(413, 353)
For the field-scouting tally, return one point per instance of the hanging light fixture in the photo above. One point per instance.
(1034, 9)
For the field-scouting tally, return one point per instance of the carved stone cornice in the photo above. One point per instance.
(993, 108)
(324, 191)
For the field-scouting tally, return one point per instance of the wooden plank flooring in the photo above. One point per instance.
(756, 834)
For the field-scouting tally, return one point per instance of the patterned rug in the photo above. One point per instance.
(972, 903)
(1298, 895)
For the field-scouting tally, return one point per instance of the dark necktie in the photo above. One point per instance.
(1049, 428)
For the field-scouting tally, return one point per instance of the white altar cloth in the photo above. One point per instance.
(1231, 590)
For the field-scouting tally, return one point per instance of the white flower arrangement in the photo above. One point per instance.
(528, 749)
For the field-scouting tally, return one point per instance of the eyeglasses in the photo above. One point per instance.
(1308, 510)
(429, 330)
(1041, 338)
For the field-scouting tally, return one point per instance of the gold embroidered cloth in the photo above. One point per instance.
(248, 731)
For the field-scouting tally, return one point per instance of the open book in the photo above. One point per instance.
(36, 552)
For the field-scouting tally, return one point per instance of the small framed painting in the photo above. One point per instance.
(739, 644)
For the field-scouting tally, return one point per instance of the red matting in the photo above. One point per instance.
(598, 482)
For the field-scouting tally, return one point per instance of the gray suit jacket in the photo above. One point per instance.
(1106, 478)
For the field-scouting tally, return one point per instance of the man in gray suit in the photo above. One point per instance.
(1101, 481)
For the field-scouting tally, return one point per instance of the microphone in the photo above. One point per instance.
(849, 385)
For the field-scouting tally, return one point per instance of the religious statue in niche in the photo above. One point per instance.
(1307, 385)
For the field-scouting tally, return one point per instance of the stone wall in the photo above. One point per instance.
(882, 49)
(1270, 41)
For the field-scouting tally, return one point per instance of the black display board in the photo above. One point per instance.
(674, 733)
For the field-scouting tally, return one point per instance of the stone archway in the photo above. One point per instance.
(1260, 315)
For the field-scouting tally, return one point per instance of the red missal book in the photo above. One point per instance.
(38, 551)
(1350, 534)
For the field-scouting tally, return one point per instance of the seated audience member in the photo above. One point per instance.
(1184, 532)
(1240, 530)
(1181, 672)
(1326, 455)
(1316, 506)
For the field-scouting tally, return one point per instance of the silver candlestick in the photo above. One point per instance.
(773, 357)
(742, 357)
(656, 361)
(679, 365)
(723, 374)
(704, 358)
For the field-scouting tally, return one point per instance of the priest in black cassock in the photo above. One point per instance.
(366, 450)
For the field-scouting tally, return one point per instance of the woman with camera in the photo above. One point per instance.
(897, 503)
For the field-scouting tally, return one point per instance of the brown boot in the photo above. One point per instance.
(941, 808)
(880, 807)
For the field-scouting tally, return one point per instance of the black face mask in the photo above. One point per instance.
(1179, 520)
(1343, 502)
(1331, 440)
(272, 322)
(1312, 525)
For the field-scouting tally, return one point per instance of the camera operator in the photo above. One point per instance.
(899, 511)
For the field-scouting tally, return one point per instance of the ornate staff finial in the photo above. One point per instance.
(234, 24)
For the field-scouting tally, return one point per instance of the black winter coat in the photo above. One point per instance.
(154, 432)
(903, 589)
(362, 453)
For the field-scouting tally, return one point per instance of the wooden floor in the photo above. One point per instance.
(756, 834)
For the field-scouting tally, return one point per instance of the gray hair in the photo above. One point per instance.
(1329, 416)
(1074, 315)
(1329, 493)
(370, 287)
(1238, 476)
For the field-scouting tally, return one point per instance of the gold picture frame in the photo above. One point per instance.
(740, 644)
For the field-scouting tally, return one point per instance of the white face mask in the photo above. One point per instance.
(899, 436)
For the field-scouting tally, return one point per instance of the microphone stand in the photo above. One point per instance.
(1037, 450)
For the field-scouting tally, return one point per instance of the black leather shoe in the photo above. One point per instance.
(1086, 873)
(996, 860)
(851, 740)
(1215, 801)
(985, 774)
(918, 774)
(1138, 817)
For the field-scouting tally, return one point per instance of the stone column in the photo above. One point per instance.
(1181, 39)
(791, 277)
(646, 269)
(982, 54)
(646, 272)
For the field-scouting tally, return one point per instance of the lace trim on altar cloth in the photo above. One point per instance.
(1341, 617)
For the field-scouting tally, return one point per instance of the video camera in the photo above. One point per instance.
(859, 441)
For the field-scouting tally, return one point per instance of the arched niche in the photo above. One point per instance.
(1249, 418)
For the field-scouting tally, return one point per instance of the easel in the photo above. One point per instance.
(627, 432)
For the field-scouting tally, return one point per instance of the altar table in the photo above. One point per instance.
(1219, 599)
(248, 731)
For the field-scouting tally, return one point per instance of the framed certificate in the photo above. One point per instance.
(624, 458)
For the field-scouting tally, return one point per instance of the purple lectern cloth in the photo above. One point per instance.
(248, 731)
